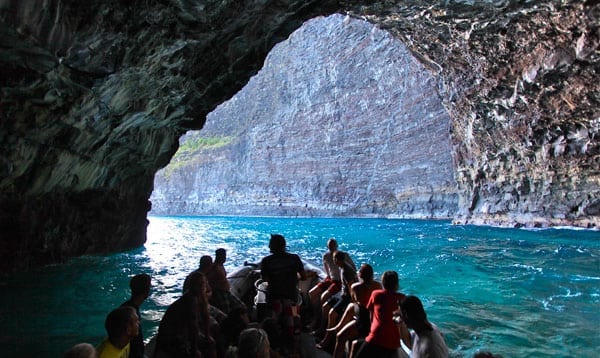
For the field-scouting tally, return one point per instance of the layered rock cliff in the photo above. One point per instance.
(95, 95)
(341, 120)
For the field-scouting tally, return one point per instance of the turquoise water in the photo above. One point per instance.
(518, 293)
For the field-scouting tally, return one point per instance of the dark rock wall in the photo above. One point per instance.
(94, 96)
(520, 80)
(341, 120)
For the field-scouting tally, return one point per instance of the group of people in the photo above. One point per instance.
(353, 314)
(123, 327)
(371, 317)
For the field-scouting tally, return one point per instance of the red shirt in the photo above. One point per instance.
(384, 331)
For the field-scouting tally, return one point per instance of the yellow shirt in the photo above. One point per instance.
(107, 350)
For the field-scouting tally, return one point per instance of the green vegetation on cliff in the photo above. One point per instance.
(193, 145)
(190, 149)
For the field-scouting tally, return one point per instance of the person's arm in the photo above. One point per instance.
(350, 262)
(264, 271)
(301, 271)
(326, 266)
(404, 334)
(354, 292)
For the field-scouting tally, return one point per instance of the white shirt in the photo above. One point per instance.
(429, 344)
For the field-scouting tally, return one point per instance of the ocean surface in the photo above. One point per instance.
(514, 292)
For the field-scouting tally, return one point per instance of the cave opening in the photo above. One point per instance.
(341, 121)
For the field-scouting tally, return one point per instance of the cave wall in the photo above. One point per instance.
(95, 94)
(520, 80)
(94, 97)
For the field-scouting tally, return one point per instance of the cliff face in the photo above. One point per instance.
(95, 94)
(341, 120)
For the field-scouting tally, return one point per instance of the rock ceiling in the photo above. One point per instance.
(94, 96)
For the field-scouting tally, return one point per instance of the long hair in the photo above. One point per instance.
(413, 308)
(390, 281)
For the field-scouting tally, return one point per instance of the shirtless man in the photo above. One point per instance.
(222, 298)
(331, 285)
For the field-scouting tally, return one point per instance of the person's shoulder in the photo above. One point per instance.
(128, 303)
(379, 292)
(107, 350)
(376, 285)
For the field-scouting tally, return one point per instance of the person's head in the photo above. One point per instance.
(339, 258)
(277, 243)
(205, 262)
(332, 245)
(390, 281)
(253, 343)
(196, 284)
(140, 285)
(81, 350)
(220, 255)
(122, 324)
(366, 272)
(413, 312)
(486, 355)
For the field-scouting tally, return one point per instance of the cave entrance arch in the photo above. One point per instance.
(341, 121)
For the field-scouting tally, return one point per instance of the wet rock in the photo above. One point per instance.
(94, 96)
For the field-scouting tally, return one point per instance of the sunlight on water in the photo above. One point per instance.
(513, 292)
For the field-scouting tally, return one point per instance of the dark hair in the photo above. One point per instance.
(81, 350)
(389, 280)
(340, 256)
(332, 241)
(366, 272)
(251, 342)
(191, 282)
(117, 321)
(413, 308)
(220, 251)
(140, 284)
(205, 262)
(277, 243)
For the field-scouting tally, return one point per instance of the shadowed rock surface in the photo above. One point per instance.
(95, 95)
(341, 121)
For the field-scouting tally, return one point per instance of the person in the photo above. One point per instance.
(426, 338)
(204, 266)
(486, 354)
(122, 325)
(281, 270)
(253, 343)
(331, 285)
(184, 330)
(271, 326)
(356, 321)
(336, 305)
(384, 335)
(140, 290)
(206, 263)
(81, 350)
(222, 298)
(236, 321)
